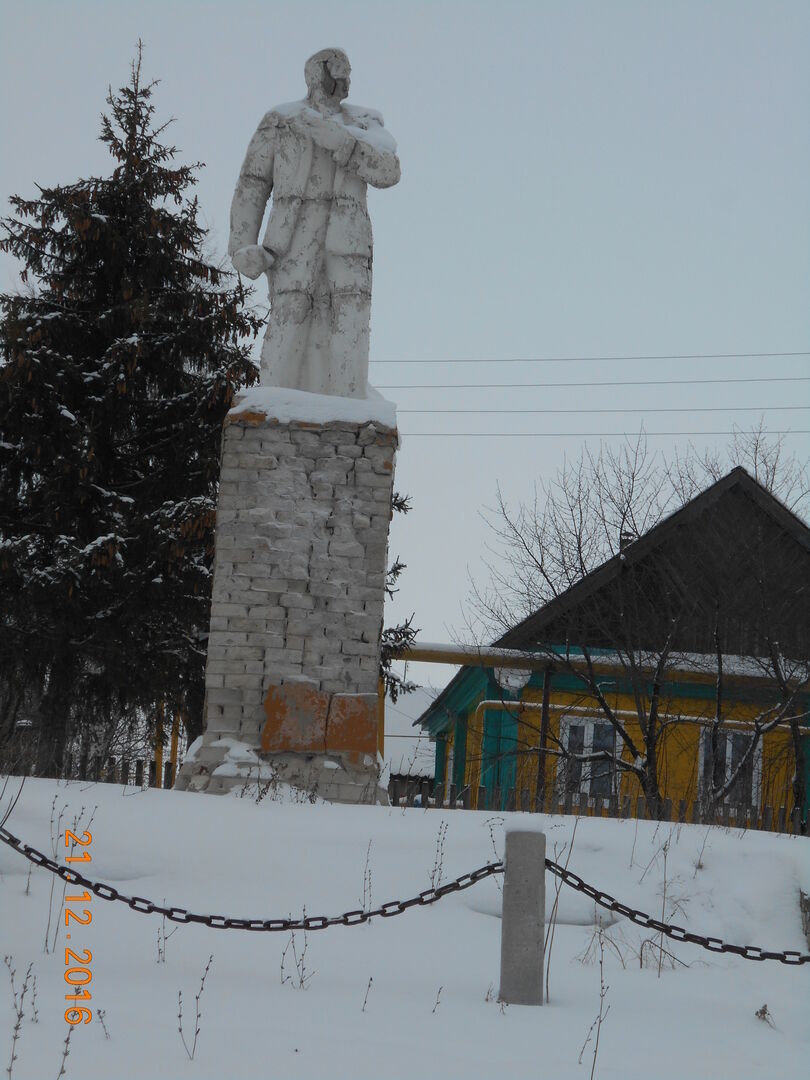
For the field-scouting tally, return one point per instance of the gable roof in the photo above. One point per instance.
(738, 481)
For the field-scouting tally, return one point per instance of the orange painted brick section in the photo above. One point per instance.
(352, 723)
(304, 720)
(249, 418)
(296, 719)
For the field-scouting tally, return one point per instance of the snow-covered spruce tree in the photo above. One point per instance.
(117, 366)
(395, 638)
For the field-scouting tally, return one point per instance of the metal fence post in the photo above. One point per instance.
(522, 923)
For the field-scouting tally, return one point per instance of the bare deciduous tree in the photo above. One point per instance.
(582, 574)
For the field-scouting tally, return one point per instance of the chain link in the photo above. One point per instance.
(397, 907)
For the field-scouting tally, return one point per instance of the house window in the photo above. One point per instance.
(581, 737)
(718, 768)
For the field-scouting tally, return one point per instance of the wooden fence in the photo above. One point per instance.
(140, 773)
(427, 794)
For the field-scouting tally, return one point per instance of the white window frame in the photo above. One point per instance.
(756, 777)
(589, 722)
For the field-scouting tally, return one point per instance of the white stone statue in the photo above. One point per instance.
(316, 157)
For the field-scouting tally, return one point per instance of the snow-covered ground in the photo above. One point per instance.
(429, 977)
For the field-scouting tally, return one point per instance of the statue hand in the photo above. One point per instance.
(252, 260)
(327, 133)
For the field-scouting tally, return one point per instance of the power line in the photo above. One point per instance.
(668, 409)
(584, 359)
(559, 385)
(576, 434)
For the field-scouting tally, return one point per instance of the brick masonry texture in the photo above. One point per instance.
(301, 557)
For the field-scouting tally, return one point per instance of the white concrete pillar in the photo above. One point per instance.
(522, 924)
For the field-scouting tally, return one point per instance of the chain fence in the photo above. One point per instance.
(395, 907)
(228, 922)
(677, 933)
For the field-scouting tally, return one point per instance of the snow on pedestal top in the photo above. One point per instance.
(285, 405)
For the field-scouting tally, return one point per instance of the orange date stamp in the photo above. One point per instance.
(77, 967)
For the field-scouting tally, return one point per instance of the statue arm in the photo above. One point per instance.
(372, 155)
(253, 187)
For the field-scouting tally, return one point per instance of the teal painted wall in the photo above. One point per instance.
(499, 765)
(441, 756)
(459, 753)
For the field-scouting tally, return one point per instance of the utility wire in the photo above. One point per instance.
(558, 385)
(584, 359)
(576, 434)
(669, 409)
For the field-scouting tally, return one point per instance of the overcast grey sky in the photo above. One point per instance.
(580, 179)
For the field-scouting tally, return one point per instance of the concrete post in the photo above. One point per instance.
(522, 924)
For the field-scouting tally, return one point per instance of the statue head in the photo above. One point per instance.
(328, 76)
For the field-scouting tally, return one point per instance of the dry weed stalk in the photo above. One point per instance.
(601, 1016)
(56, 832)
(162, 938)
(12, 801)
(198, 1015)
(557, 887)
(663, 909)
(601, 936)
(65, 1051)
(77, 827)
(102, 1015)
(764, 1014)
(699, 861)
(438, 861)
(299, 979)
(19, 1003)
(365, 901)
(491, 822)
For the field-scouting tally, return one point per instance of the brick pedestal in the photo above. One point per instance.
(301, 552)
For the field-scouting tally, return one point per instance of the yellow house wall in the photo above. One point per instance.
(678, 749)
(472, 763)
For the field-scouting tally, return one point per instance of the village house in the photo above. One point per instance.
(683, 660)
